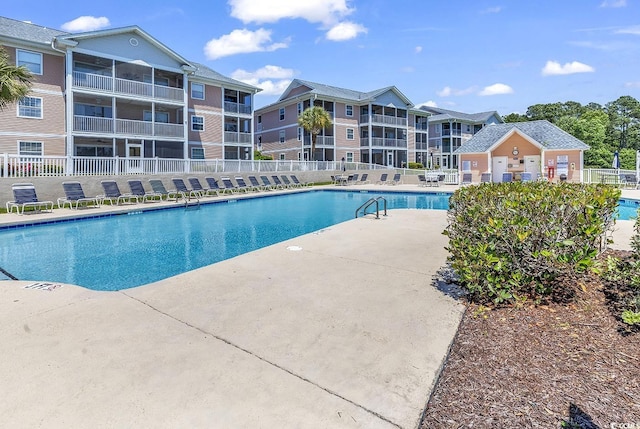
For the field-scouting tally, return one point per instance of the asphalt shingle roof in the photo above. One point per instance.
(439, 114)
(21, 30)
(208, 73)
(544, 132)
(343, 93)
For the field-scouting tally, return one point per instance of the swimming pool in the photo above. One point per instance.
(125, 251)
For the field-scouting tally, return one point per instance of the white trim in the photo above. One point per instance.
(204, 87)
(30, 117)
(27, 141)
(191, 122)
(352, 133)
(18, 50)
(346, 112)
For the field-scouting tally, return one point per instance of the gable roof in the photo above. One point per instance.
(543, 132)
(205, 72)
(439, 114)
(351, 95)
(71, 39)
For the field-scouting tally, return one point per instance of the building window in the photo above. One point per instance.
(299, 108)
(282, 136)
(30, 148)
(197, 123)
(30, 107)
(31, 60)
(349, 110)
(349, 133)
(282, 157)
(282, 113)
(259, 119)
(197, 153)
(299, 134)
(197, 91)
(349, 156)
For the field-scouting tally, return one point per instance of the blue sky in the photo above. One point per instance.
(471, 56)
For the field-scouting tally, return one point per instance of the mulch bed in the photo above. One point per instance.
(570, 365)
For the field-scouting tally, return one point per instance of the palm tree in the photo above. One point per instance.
(15, 82)
(314, 120)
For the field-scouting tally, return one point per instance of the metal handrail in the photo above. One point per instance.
(369, 203)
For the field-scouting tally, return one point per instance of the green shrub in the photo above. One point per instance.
(416, 165)
(510, 241)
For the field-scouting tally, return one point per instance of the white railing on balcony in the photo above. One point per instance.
(383, 142)
(168, 93)
(16, 166)
(232, 137)
(126, 87)
(132, 87)
(93, 81)
(92, 124)
(383, 119)
(136, 128)
(160, 129)
(325, 141)
(232, 107)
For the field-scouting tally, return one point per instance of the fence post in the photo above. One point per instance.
(116, 168)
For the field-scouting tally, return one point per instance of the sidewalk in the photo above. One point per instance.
(340, 328)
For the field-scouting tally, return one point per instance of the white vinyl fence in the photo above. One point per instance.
(16, 166)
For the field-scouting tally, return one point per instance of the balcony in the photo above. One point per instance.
(233, 137)
(422, 146)
(383, 142)
(126, 127)
(320, 141)
(384, 120)
(231, 107)
(118, 86)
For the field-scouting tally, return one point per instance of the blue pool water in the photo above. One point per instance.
(120, 252)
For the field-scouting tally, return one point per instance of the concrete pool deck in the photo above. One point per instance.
(341, 328)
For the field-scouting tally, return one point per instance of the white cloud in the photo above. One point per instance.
(555, 68)
(632, 84)
(242, 42)
(273, 80)
(429, 103)
(418, 49)
(496, 89)
(447, 91)
(495, 9)
(344, 31)
(613, 3)
(260, 11)
(635, 30)
(86, 23)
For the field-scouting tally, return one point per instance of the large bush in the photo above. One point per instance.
(510, 241)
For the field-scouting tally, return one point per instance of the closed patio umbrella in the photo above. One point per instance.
(616, 161)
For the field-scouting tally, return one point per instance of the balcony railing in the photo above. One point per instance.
(383, 119)
(233, 137)
(126, 87)
(383, 142)
(90, 124)
(325, 141)
(231, 107)
(16, 166)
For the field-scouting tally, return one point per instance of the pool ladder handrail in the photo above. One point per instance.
(187, 203)
(369, 203)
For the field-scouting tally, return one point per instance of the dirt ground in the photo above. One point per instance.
(571, 365)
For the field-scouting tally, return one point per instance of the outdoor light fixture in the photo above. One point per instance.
(515, 150)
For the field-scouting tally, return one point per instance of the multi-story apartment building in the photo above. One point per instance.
(120, 92)
(379, 127)
(448, 130)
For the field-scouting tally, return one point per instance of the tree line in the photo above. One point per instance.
(606, 129)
